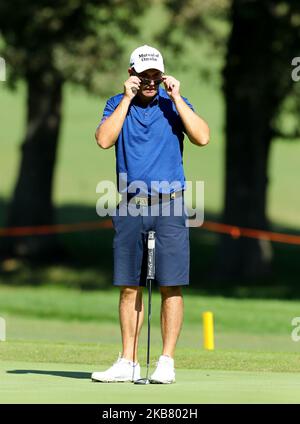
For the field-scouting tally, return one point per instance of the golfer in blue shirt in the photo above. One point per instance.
(146, 124)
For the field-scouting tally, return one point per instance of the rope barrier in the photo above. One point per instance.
(232, 230)
(237, 232)
(53, 229)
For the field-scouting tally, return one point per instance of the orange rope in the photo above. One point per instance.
(237, 232)
(215, 227)
(52, 229)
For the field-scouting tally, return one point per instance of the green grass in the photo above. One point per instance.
(63, 315)
(61, 383)
(57, 336)
(251, 316)
(30, 329)
(102, 353)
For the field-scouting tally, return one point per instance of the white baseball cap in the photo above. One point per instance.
(146, 57)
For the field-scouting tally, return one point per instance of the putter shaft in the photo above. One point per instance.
(150, 277)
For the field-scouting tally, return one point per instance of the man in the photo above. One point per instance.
(146, 124)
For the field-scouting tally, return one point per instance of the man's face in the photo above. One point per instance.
(150, 80)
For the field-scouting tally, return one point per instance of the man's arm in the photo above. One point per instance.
(196, 128)
(108, 132)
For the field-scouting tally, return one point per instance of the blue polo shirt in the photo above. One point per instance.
(150, 145)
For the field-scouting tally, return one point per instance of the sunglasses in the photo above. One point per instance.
(147, 81)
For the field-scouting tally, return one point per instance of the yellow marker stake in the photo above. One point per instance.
(208, 331)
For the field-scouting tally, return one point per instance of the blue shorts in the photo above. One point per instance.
(172, 254)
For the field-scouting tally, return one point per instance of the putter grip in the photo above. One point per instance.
(151, 255)
(151, 240)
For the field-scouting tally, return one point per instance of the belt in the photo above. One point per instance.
(145, 200)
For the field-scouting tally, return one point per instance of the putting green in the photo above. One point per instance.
(26, 382)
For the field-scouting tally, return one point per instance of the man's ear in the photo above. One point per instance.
(130, 71)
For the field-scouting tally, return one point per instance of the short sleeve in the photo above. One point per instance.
(108, 110)
(187, 102)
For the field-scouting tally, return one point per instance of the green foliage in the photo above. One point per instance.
(266, 65)
(206, 25)
(81, 41)
(197, 29)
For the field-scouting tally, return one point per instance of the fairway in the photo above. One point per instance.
(27, 382)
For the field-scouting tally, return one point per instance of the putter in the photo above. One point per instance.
(150, 277)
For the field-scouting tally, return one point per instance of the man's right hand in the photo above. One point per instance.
(131, 87)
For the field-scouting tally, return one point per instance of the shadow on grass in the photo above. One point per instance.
(67, 374)
(89, 262)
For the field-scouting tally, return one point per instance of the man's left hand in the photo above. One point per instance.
(172, 86)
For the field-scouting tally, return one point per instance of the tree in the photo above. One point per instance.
(259, 94)
(265, 37)
(46, 44)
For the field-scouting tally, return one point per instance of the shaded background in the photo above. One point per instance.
(233, 59)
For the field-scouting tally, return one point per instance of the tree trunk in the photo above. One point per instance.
(31, 203)
(250, 108)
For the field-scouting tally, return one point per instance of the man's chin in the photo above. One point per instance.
(149, 93)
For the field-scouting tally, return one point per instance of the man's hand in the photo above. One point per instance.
(172, 86)
(196, 128)
(131, 87)
(108, 132)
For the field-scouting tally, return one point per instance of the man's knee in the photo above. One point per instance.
(168, 291)
(130, 294)
(130, 291)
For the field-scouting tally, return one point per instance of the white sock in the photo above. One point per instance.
(168, 358)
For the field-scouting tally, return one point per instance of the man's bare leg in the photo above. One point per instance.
(171, 317)
(131, 313)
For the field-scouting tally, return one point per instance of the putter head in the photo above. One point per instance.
(142, 381)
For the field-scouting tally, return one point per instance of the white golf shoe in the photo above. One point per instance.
(122, 370)
(165, 372)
